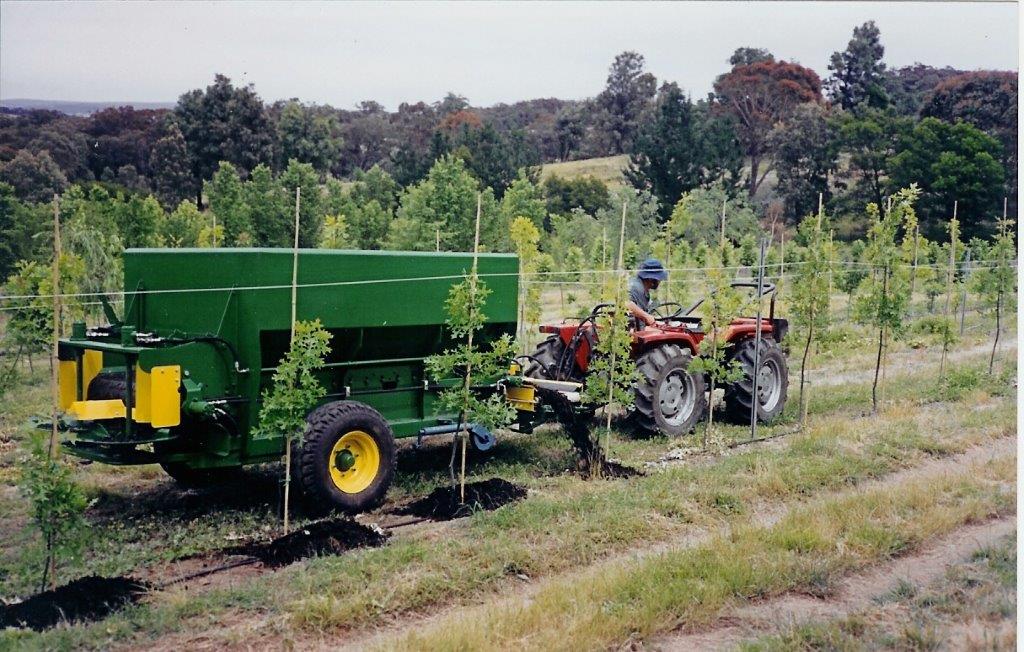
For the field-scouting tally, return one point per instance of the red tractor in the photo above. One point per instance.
(667, 396)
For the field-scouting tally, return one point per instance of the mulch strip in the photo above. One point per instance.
(85, 599)
(443, 503)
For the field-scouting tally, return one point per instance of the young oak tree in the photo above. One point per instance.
(295, 390)
(809, 296)
(722, 303)
(996, 285)
(525, 236)
(611, 374)
(884, 295)
(464, 305)
(58, 503)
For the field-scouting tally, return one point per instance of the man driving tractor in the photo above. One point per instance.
(648, 277)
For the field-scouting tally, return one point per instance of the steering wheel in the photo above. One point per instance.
(660, 315)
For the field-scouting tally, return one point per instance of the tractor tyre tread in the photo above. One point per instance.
(324, 426)
(739, 394)
(546, 356)
(652, 370)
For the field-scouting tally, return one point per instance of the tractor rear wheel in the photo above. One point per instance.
(346, 460)
(772, 382)
(546, 357)
(668, 398)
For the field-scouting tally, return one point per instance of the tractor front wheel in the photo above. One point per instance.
(346, 460)
(668, 398)
(772, 382)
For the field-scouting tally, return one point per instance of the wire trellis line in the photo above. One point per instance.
(973, 266)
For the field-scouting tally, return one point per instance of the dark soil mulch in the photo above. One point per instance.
(443, 504)
(590, 459)
(328, 537)
(87, 598)
(614, 470)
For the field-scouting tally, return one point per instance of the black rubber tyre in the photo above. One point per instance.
(107, 385)
(546, 357)
(773, 384)
(313, 464)
(667, 397)
(190, 478)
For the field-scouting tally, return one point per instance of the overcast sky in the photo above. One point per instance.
(341, 53)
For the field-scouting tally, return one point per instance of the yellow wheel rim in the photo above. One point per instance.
(354, 462)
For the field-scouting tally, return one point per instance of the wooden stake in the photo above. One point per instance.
(913, 269)
(782, 254)
(55, 280)
(469, 347)
(295, 293)
(619, 273)
(722, 242)
(949, 291)
(52, 450)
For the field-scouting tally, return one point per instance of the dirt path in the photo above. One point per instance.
(854, 593)
(517, 595)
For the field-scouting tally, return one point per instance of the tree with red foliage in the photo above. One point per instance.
(760, 95)
(454, 121)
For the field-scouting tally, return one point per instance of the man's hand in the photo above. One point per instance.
(641, 314)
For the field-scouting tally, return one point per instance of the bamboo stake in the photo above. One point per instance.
(295, 282)
(722, 240)
(963, 295)
(999, 296)
(469, 342)
(913, 269)
(949, 291)
(782, 254)
(620, 271)
(55, 280)
(53, 448)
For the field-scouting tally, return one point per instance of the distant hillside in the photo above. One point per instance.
(608, 169)
(77, 108)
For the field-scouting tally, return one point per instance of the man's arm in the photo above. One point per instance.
(641, 314)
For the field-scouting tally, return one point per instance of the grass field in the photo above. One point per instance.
(607, 169)
(681, 557)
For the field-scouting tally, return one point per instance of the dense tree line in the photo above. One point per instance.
(771, 137)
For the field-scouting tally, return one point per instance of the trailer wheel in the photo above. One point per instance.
(772, 382)
(667, 397)
(346, 460)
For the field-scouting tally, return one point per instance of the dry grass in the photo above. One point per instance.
(612, 605)
(607, 169)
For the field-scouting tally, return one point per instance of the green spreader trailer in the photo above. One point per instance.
(177, 380)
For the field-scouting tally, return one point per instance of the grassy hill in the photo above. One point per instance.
(608, 169)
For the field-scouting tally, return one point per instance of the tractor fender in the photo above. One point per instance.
(647, 341)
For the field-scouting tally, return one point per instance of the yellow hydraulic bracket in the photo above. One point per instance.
(522, 398)
(67, 376)
(157, 401)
